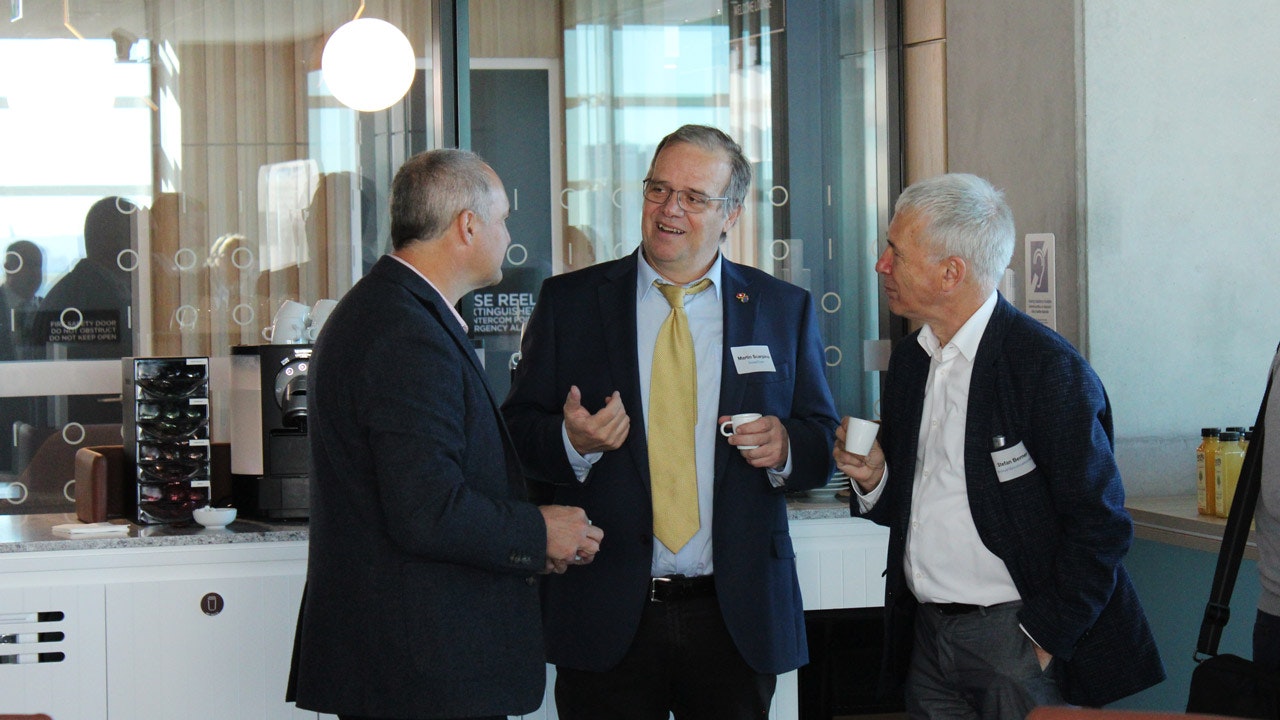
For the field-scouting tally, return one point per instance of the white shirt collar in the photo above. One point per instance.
(967, 338)
(454, 310)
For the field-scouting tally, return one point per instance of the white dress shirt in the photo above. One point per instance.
(946, 561)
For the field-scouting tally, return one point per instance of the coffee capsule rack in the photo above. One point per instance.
(166, 436)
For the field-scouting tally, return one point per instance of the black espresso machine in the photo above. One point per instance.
(269, 446)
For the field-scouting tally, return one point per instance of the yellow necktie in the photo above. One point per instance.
(673, 410)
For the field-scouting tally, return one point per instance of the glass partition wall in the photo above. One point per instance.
(177, 170)
(807, 88)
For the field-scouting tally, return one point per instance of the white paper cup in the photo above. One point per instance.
(860, 435)
(731, 426)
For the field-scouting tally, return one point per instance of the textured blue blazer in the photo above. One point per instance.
(583, 332)
(421, 596)
(1061, 529)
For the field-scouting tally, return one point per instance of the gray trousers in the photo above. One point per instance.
(977, 665)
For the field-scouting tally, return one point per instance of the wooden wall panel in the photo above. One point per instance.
(285, 81)
(923, 21)
(530, 28)
(251, 72)
(239, 83)
(219, 81)
(924, 76)
(925, 110)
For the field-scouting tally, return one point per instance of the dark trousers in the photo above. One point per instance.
(1266, 641)
(682, 661)
(978, 665)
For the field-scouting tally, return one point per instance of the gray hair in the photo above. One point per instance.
(965, 216)
(432, 187)
(715, 141)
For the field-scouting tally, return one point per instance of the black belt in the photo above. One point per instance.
(673, 588)
(953, 608)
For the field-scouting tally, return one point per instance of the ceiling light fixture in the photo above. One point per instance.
(368, 64)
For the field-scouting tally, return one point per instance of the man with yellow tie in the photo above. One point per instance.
(628, 368)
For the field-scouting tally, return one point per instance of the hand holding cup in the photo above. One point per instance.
(857, 453)
(860, 435)
(730, 426)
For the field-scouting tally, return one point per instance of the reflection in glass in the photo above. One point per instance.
(805, 95)
(186, 171)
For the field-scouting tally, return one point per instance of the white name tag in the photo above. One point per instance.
(752, 359)
(1012, 463)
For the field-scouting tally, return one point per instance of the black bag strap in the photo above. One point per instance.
(1218, 611)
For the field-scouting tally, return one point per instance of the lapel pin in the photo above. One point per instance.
(742, 297)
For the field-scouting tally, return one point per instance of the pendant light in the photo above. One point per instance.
(368, 64)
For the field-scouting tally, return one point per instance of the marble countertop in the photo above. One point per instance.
(35, 533)
(1170, 519)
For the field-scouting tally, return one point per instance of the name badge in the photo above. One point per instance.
(1012, 463)
(752, 359)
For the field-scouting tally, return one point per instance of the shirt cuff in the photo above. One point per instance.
(866, 501)
(581, 464)
(778, 477)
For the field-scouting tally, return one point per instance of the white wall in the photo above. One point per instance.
(1182, 220)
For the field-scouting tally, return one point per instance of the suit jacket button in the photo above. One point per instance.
(531, 580)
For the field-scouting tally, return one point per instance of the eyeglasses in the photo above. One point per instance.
(691, 202)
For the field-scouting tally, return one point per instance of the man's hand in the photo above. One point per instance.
(866, 470)
(605, 430)
(769, 436)
(571, 538)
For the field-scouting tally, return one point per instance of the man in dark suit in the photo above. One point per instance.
(1005, 588)
(421, 597)
(699, 624)
(22, 277)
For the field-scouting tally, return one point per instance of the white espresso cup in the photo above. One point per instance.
(730, 426)
(860, 435)
(289, 326)
(319, 313)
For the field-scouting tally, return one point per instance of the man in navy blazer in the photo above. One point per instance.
(701, 630)
(1005, 588)
(421, 597)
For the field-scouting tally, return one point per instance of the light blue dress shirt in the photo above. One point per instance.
(706, 324)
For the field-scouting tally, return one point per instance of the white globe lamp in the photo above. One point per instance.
(368, 64)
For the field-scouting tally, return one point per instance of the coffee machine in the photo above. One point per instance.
(269, 443)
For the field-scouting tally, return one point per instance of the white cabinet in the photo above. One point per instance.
(840, 562)
(215, 646)
(153, 633)
(52, 650)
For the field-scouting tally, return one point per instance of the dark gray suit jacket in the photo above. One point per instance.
(422, 597)
(1061, 529)
(583, 332)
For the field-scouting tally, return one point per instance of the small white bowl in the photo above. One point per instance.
(212, 517)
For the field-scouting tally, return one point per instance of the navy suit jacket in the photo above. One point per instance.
(583, 332)
(1061, 528)
(421, 596)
